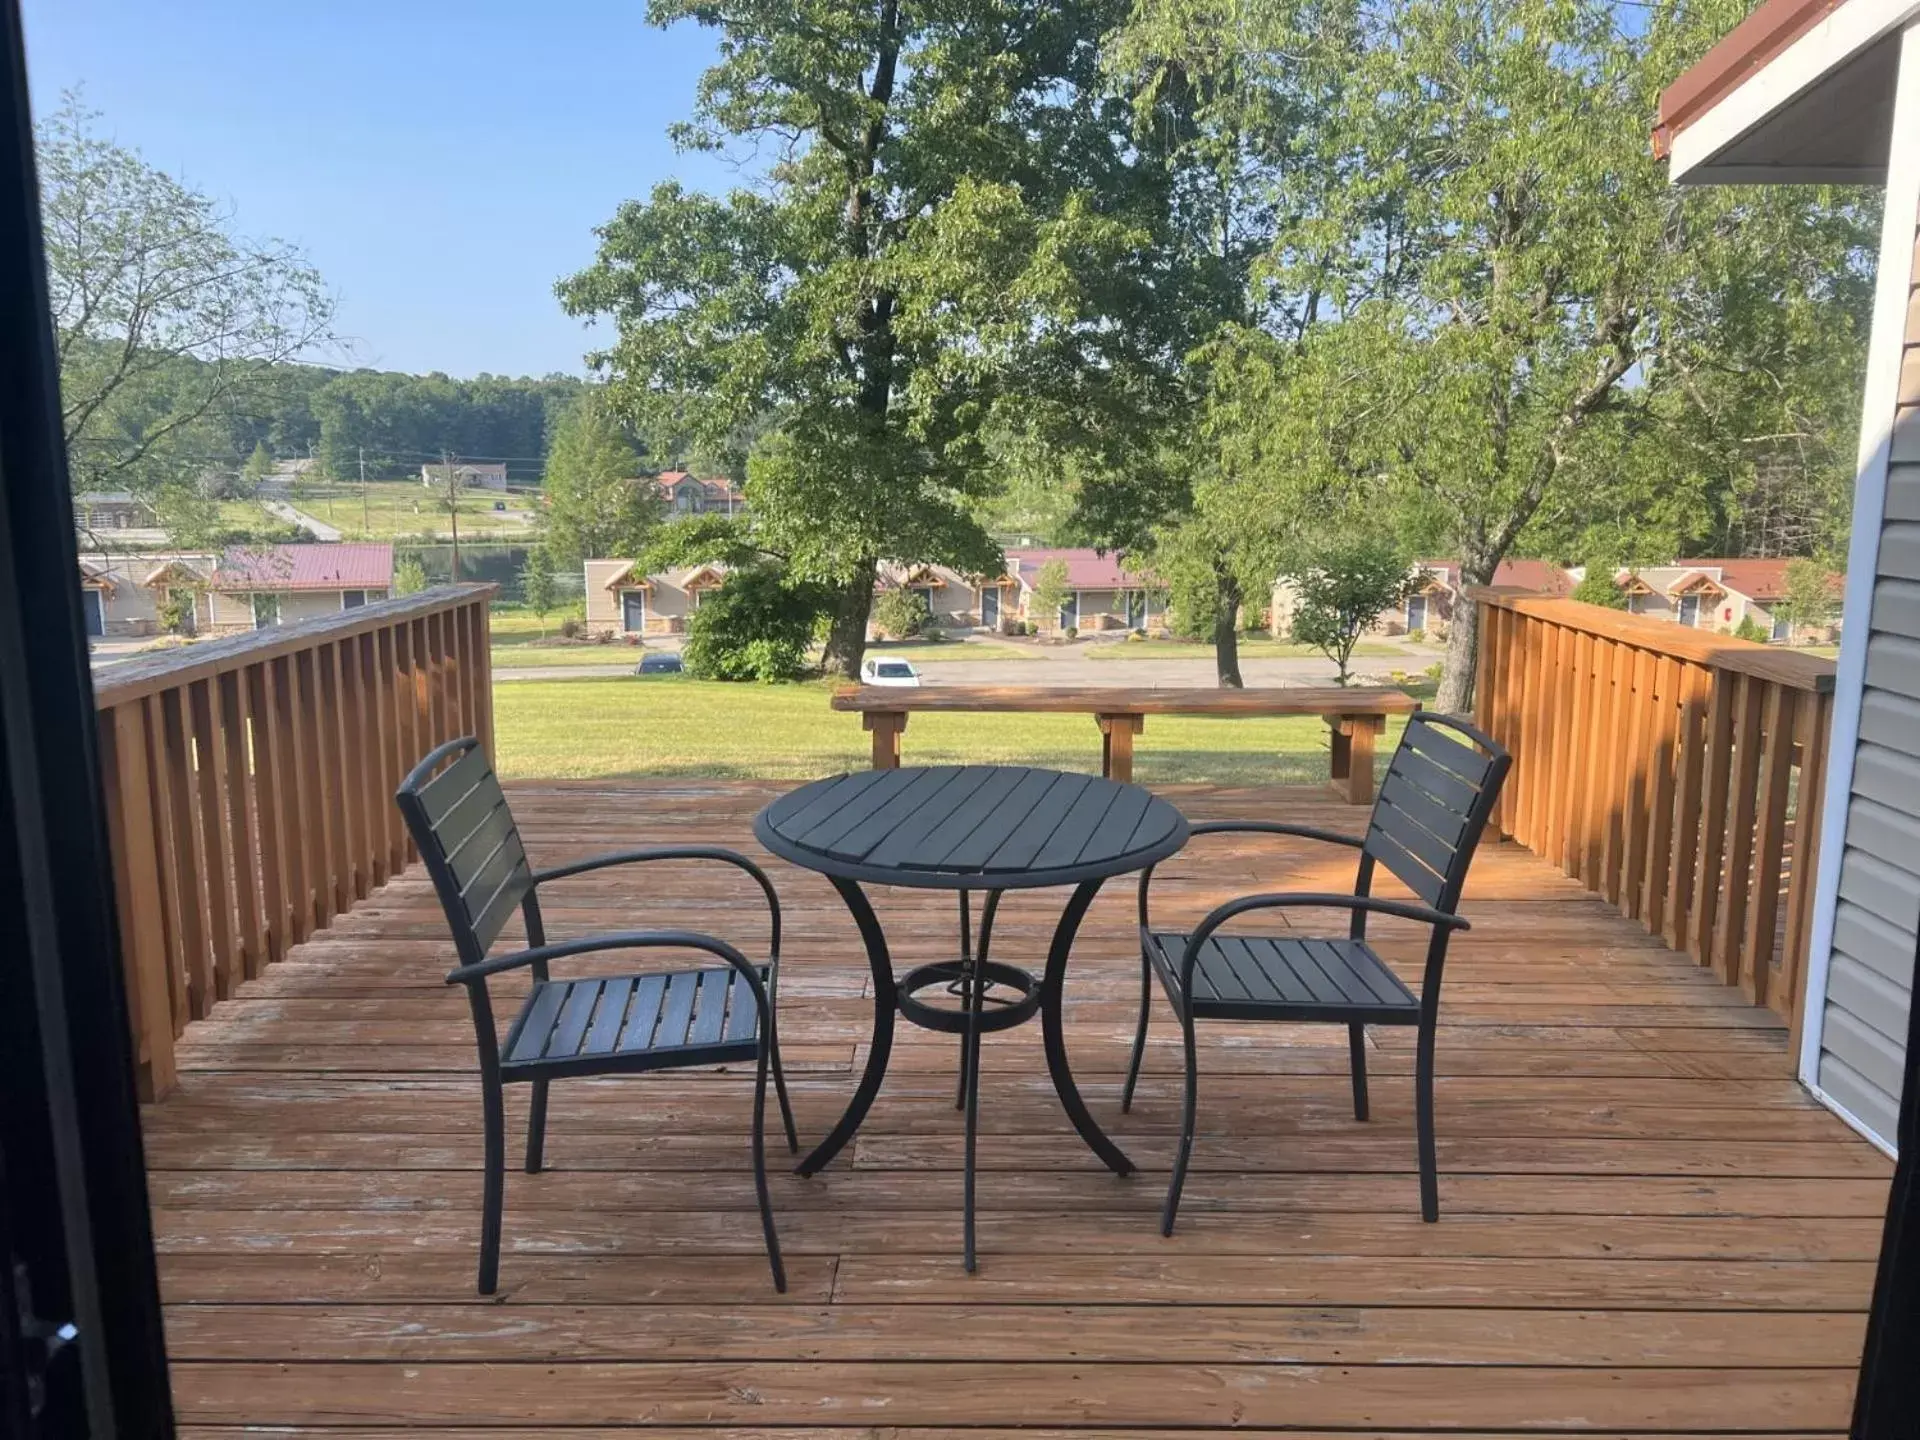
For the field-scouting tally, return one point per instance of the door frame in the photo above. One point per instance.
(74, 1190)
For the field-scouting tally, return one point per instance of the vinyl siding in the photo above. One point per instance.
(1870, 980)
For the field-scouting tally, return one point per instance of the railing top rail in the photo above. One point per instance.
(1662, 637)
(149, 674)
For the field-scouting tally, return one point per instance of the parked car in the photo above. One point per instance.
(660, 662)
(875, 671)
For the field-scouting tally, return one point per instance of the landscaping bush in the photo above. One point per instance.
(572, 628)
(900, 614)
(1748, 630)
(756, 626)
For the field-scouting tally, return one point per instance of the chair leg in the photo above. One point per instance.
(780, 1083)
(536, 1127)
(760, 1164)
(1357, 1049)
(1187, 1114)
(1423, 1106)
(493, 1184)
(974, 1000)
(1139, 1034)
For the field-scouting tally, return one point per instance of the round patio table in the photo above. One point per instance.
(991, 828)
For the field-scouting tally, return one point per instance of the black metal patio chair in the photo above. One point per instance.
(1425, 826)
(623, 1024)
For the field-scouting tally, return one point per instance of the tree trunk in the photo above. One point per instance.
(847, 635)
(1226, 630)
(1463, 643)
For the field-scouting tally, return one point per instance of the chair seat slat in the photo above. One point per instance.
(710, 1008)
(743, 1015)
(536, 1021)
(607, 1019)
(571, 1028)
(644, 1014)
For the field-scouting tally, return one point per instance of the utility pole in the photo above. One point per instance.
(366, 524)
(453, 507)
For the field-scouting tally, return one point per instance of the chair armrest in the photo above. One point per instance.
(1275, 827)
(617, 940)
(1250, 827)
(676, 852)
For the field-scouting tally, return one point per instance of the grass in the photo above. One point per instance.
(593, 727)
(1251, 648)
(397, 508)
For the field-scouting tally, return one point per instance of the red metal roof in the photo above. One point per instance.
(1743, 50)
(1086, 569)
(306, 567)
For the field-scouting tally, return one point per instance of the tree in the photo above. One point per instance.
(409, 575)
(1812, 598)
(1597, 587)
(1565, 302)
(1341, 588)
(1050, 590)
(924, 258)
(597, 505)
(536, 585)
(259, 465)
(166, 319)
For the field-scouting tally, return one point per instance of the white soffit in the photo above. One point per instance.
(1819, 112)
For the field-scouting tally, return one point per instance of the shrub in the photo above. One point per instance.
(756, 626)
(1072, 632)
(900, 614)
(572, 628)
(1747, 629)
(1418, 636)
(1596, 587)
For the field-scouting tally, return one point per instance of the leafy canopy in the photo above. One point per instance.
(924, 252)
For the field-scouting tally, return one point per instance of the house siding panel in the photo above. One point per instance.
(1877, 914)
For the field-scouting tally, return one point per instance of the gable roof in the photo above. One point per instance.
(305, 567)
(1086, 569)
(1541, 577)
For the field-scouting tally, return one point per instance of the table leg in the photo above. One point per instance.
(1052, 990)
(885, 1002)
(975, 998)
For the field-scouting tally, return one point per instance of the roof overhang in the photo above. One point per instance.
(1800, 93)
(625, 579)
(1699, 582)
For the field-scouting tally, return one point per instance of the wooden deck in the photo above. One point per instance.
(1648, 1227)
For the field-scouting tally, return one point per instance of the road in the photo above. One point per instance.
(319, 529)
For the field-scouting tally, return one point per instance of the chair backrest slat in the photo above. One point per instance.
(460, 820)
(1433, 804)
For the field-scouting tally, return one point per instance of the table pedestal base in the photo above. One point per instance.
(974, 973)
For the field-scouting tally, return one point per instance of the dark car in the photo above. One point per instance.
(663, 663)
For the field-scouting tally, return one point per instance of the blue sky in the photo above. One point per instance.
(441, 163)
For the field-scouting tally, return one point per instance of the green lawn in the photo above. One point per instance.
(396, 508)
(1251, 648)
(604, 726)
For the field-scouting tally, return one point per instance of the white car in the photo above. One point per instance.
(875, 671)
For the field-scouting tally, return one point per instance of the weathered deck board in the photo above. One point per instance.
(1646, 1225)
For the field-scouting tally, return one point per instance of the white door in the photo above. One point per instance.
(990, 608)
(1417, 612)
(633, 611)
(1690, 610)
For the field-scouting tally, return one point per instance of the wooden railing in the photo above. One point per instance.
(1677, 774)
(249, 788)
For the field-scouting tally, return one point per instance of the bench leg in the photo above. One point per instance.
(1352, 760)
(1116, 744)
(886, 727)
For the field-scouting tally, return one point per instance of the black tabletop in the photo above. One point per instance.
(971, 827)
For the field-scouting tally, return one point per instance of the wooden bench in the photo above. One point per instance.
(1355, 716)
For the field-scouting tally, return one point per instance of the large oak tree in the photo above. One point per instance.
(922, 253)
